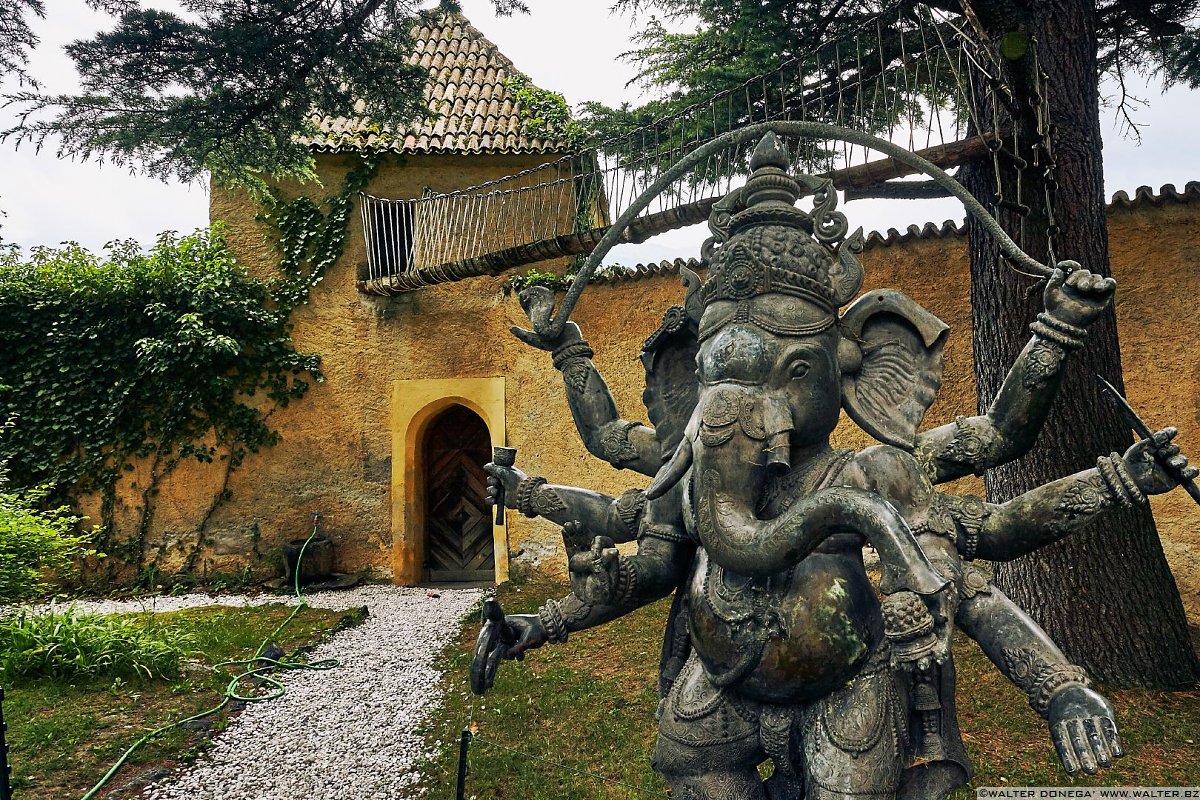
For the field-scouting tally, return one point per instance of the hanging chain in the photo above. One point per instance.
(1043, 150)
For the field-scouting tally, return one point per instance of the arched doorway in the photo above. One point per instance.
(458, 522)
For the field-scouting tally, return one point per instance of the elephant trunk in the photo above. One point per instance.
(736, 435)
(734, 538)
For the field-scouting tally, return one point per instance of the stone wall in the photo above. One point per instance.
(344, 446)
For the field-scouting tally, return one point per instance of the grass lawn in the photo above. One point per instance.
(64, 735)
(589, 705)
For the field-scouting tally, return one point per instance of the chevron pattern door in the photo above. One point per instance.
(458, 523)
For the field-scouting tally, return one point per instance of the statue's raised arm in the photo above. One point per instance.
(1010, 427)
(669, 357)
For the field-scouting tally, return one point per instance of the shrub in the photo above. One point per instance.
(34, 544)
(151, 357)
(66, 644)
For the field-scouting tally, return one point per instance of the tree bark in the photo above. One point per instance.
(1105, 595)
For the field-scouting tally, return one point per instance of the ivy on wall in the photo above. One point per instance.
(148, 359)
(310, 239)
(554, 280)
(545, 114)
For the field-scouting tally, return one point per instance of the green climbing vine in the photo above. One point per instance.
(132, 362)
(559, 282)
(308, 238)
(545, 114)
(137, 359)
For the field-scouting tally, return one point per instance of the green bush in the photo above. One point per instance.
(34, 545)
(66, 644)
(138, 357)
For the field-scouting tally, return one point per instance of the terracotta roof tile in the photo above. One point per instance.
(643, 271)
(1142, 196)
(472, 109)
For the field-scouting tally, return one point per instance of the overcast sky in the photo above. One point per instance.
(569, 47)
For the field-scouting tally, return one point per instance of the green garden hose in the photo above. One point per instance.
(258, 666)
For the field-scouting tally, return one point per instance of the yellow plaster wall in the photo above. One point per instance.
(341, 443)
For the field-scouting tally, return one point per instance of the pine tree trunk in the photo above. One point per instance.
(1105, 594)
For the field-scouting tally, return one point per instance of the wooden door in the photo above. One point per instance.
(458, 523)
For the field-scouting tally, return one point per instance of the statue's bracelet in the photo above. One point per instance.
(627, 580)
(570, 351)
(525, 491)
(1063, 334)
(1122, 486)
(552, 620)
(1052, 683)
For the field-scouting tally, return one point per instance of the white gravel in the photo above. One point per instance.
(346, 733)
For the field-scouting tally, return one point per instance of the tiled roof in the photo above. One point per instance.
(929, 230)
(643, 271)
(1142, 196)
(472, 109)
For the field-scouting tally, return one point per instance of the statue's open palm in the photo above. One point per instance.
(1084, 729)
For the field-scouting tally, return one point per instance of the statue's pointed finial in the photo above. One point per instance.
(769, 182)
(770, 152)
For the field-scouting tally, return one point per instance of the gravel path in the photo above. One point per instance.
(347, 733)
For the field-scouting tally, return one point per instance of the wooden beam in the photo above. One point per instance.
(945, 156)
(858, 179)
(899, 190)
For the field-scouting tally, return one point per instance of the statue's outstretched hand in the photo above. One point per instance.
(502, 637)
(507, 477)
(538, 304)
(1077, 298)
(595, 572)
(1156, 463)
(1084, 729)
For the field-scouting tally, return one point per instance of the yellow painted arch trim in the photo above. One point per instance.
(414, 404)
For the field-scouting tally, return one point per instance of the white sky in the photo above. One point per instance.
(569, 47)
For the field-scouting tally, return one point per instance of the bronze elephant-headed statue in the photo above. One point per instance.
(778, 645)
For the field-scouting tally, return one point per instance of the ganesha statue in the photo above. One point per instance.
(778, 646)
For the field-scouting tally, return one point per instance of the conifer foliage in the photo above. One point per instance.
(227, 86)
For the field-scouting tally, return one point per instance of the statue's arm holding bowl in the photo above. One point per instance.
(601, 514)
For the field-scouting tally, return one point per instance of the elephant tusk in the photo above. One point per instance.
(779, 452)
(672, 472)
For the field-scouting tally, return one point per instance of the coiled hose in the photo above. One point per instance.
(256, 668)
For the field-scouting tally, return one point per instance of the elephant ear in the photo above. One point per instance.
(901, 368)
(669, 356)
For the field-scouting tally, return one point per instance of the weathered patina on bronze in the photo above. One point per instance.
(778, 646)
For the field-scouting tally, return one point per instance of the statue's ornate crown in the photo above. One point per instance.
(763, 244)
